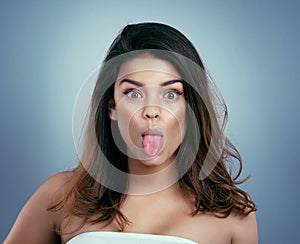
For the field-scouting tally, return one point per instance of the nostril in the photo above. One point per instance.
(151, 112)
(152, 116)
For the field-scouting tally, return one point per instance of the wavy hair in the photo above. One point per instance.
(211, 184)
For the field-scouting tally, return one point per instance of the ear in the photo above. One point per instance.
(112, 110)
(113, 114)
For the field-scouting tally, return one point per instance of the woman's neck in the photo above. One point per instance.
(145, 179)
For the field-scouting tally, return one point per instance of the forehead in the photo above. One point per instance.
(147, 69)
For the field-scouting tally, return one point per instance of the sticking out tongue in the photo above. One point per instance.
(152, 144)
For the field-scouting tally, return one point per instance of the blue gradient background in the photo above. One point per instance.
(251, 49)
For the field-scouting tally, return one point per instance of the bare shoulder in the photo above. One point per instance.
(244, 229)
(52, 188)
(35, 224)
(233, 229)
(50, 191)
(57, 182)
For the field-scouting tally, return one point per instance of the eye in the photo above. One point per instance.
(133, 94)
(172, 94)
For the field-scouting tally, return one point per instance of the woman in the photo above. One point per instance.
(155, 163)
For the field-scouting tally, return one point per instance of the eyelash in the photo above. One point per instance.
(128, 91)
(178, 93)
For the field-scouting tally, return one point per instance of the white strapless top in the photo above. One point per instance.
(102, 237)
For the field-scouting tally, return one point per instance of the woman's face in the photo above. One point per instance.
(150, 109)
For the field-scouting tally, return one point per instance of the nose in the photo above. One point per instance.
(151, 112)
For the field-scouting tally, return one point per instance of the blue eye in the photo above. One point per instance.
(133, 94)
(172, 95)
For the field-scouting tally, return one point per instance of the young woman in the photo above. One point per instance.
(155, 164)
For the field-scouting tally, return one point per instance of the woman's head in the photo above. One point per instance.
(153, 49)
(149, 110)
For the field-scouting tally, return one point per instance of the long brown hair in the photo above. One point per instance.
(207, 179)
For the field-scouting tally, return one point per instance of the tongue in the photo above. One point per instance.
(152, 144)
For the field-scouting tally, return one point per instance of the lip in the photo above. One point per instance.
(152, 132)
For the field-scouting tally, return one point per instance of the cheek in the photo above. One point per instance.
(124, 117)
(128, 124)
(176, 124)
(182, 115)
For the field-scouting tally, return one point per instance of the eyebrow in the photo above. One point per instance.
(137, 83)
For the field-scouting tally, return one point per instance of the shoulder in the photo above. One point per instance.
(52, 188)
(57, 182)
(244, 229)
(211, 228)
(35, 223)
(51, 191)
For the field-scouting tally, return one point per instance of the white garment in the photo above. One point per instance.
(102, 237)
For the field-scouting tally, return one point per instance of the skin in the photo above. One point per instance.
(152, 103)
(166, 212)
(149, 95)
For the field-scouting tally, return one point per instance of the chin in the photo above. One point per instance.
(159, 160)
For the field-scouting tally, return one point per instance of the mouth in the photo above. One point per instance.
(152, 141)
